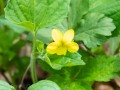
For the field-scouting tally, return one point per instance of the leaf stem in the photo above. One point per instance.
(33, 60)
(75, 76)
(13, 83)
(20, 86)
(82, 46)
(6, 78)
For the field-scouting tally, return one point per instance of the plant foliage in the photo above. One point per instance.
(96, 24)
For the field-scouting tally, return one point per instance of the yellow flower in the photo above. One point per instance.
(62, 42)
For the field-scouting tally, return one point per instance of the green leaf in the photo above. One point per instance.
(110, 8)
(117, 89)
(1, 7)
(113, 44)
(77, 85)
(70, 84)
(40, 46)
(44, 85)
(77, 9)
(9, 36)
(59, 61)
(100, 68)
(35, 14)
(48, 68)
(11, 26)
(5, 86)
(94, 27)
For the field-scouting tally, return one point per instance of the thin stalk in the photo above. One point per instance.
(33, 60)
(75, 76)
(20, 86)
(6, 78)
(12, 79)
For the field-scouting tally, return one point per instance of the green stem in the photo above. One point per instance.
(22, 80)
(1, 7)
(33, 60)
(75, 76)
(12, 79)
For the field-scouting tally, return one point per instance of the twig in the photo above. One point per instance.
(82, 46)
(6, 78)
(20, 86)
(75, 76)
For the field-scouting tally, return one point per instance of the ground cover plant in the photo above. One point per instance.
(76, 42)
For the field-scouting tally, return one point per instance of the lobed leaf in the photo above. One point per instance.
(100, 68)
(113, 44)
(77, 9)
(94, 27)
(35, 14)
(59, 61)
(70, 84)
(111, 8)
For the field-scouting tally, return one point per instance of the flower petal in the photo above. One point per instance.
(73, 47)
(52, 47)
(68, 36)
(61, 51)
(57, 35)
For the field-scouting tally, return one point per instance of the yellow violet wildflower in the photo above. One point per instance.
(62, 42)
